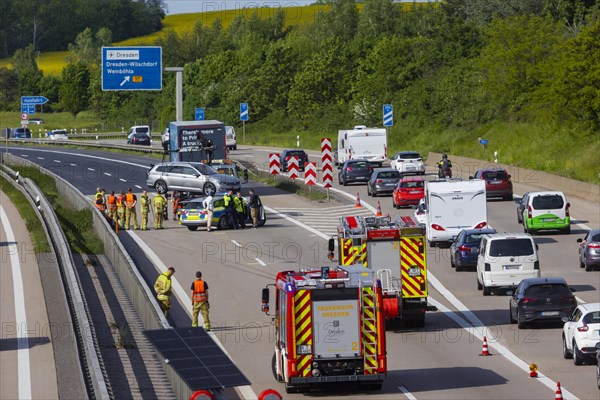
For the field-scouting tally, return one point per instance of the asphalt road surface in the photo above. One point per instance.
(440, 361)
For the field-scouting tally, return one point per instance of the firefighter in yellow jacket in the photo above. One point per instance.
(121, 209)
(144, 209)
(162, 287)
(200, 301)
(159, 207)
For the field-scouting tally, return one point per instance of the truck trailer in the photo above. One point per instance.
(362, 143)
(199, 141)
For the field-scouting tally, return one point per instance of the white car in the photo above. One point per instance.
(139, 129)
(408, 162)
(581, 332)
(420, 212)
(58, 134)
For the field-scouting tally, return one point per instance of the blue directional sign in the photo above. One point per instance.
(388, 115)
(483, 141)
(33, 100)
(132, 68)
(27, 108)
(199, 114)
(243, 111)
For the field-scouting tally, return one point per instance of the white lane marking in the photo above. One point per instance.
(23, 370)
(90, 156)
(91, 169)
(40, 158)
(236, 243)
(73, 165)
(122, 180)
(57, 161)
(107, 174)
(246, 391)
(579, 299)
(24, 155)
(479, 331)
(261, 262)
(138, 186)
(407, 393)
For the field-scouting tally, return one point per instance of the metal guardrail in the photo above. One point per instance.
(89, 351)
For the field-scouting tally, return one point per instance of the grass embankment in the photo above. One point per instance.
(561, 151)
(27, 212)
(77, 225)
(63, 120)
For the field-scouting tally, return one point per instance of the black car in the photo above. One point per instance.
(383, 180)
(521, 205)
(541, 299)
(139, 138)
(354, 171)
(285, 156)
(464, 249)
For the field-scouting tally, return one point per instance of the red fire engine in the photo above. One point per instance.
(396, 252)
(329, 328)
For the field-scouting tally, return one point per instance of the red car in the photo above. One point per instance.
(497, 182)
(409, 191)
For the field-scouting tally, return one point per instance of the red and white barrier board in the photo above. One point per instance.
(292, 166)
(274, 167)
(327, 162)
(310, 173)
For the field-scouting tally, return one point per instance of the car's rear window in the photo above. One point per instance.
(592, 318)
(475, 238)
(143, 129)
(358, 164)
(196, 204)
(388, 175)
(206, 170)
(409, 156)
(596, 238)
(548, 202)
(412, 184)
(511, 247)
(495, 175)
(548, 289)
(225, 170)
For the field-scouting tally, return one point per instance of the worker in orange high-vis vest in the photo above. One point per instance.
(200, 301)
(111, 206)
(121, 209)
(130, 213)
(99, 200)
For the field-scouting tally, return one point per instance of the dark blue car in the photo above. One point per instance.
(464, 249)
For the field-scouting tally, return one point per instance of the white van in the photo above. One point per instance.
(230, 141)
(361, 143)
(546, 211)
(505, 259)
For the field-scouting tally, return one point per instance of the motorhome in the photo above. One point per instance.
(454, 205)
(361, 143)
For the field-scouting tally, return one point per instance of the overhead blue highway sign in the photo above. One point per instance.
(243, 111)
(33, 100)
(132, 68)
(388, 115)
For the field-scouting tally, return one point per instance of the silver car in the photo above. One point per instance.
(589, 250)
(193, 177)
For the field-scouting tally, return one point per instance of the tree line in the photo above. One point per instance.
(458, 63)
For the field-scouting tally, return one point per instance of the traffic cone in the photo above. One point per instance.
(357, 205)
(558, 395)
(484, 349)
(378, 214)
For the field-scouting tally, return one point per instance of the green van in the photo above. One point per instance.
(546, 211)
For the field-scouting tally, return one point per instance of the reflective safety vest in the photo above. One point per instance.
(112, 202)
(120, 201)
(129, 199)
(226, 200)
(240, 204)
(199, 291)
(145, 203)
(163, 284)
(99, 201)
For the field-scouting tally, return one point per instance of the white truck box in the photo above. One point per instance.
(362, 143)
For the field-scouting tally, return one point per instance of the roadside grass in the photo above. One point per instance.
(77, 225)
(60, 120)
(32, 222)
(557, 150)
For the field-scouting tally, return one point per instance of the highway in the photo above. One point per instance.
(440, 361)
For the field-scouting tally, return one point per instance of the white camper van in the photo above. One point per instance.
(361, 142)
(454, 205)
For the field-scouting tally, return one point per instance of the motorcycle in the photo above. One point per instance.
(444, 172)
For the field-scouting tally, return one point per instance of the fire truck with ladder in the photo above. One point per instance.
(329, 328)
(396, 252)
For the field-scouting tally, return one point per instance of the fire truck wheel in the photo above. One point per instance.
(277, 377)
